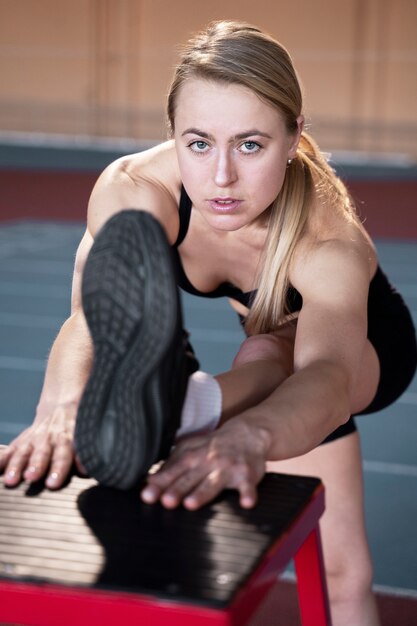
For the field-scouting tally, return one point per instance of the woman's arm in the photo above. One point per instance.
(315, 399)
(329, 348)
(47, 445)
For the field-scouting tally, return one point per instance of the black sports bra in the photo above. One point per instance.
(380, 289)
(225, 289)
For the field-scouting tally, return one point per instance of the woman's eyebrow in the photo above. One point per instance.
(251, 133)
(243, 135)
(196, 131)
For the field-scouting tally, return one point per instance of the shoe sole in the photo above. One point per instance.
(131, 305)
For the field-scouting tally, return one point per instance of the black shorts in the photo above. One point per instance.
(392, 334)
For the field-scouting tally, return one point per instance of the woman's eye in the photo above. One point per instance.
(250, 146)
(198, 146)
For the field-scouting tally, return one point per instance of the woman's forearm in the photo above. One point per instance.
(68, 365)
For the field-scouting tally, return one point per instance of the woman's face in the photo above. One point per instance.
(232, 150)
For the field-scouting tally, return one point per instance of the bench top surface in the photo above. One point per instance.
(90, 536)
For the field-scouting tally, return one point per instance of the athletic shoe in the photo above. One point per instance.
(131, 406)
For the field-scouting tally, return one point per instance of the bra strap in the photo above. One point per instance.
(185, 215)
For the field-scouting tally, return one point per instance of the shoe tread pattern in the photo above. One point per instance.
(128, 291)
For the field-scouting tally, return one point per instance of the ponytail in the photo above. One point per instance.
(309, 180)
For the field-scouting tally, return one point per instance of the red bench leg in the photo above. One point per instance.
(311, 582)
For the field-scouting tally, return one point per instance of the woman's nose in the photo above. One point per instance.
(225, 170)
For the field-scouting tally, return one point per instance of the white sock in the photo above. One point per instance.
(202, 406)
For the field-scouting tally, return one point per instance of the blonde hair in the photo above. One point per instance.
(238, 53)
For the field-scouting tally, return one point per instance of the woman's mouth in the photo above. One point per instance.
(224, 205)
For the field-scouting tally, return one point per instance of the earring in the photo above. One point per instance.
(289, 161)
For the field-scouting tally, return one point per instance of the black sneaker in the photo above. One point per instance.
(131, 406)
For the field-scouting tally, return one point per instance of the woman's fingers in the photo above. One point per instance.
(178, 485)
(196, 488)
(16, 464)
(5, 453)
(61, 461)
(183, 460)
(228, 477)
(248, 495)
(196, 474)
(43, 449)
(177, 492)
(38, 461)
(210, 487)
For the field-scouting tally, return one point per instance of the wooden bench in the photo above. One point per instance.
(90, 555)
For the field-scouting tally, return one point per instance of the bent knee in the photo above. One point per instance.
(266, 347)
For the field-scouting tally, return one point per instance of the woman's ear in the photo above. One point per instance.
(296, 137)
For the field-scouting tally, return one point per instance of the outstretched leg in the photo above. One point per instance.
(261, 365)
(131, 406)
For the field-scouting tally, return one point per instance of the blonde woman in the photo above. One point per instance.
(239, 203)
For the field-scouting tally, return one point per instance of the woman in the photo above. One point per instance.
(264, 220)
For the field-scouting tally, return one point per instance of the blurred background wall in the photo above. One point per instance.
(101, 68)
(85, 81)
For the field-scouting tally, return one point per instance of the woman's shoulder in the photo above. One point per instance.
(147, 180)
(148, 163)
(341, 243)
(156, 166)
(342, 228)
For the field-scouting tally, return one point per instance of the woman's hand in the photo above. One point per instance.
(45, 448)
(201, 466)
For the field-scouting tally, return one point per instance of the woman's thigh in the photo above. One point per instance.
(345, 545)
